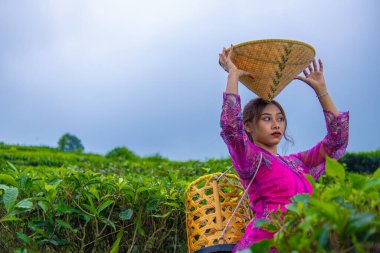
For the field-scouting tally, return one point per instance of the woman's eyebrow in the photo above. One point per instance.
(265, 113)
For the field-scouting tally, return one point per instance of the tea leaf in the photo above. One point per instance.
(44, 205)
(10, 198)
(335, 169)
(8, 180)
(105, 205)
(324, 237)
(108, 222)
(126, 215)
(4, 187)
(9, 218)
(376, 175)
(115, 245)
(311, 180)
(361, 219)
(358, 181)
(23, 237)
(25, 204)
(292, 207)
(304, 198)
(141, 189)
(162, 215)
(64, 224)
(12, 167)
(261, 222)
(172, 204)
(262, 246)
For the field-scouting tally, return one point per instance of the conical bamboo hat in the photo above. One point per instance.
(273, 62)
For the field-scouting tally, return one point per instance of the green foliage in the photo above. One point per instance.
(156, 158)
(363, 162)
(52, 201)
(70, 210)
(122, 153)
(76, 202)
(70, 143)
(342, 215)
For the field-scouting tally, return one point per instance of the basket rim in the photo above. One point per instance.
(273, 41)
(208, 176)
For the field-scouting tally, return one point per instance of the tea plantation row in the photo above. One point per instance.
(52, 201)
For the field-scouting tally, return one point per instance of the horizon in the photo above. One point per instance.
(118, 73)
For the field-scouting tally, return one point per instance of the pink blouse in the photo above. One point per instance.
(279, 177)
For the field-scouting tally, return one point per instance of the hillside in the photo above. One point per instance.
(52, 201)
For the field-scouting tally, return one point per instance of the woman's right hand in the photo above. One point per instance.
(226, 63)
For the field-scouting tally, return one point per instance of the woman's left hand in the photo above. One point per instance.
(314, 77)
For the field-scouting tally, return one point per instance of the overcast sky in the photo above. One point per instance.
(145, 74)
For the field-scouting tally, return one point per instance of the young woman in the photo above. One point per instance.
(253, 136)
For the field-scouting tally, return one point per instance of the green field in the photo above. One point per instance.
(53, 201)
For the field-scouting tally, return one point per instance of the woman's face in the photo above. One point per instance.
(267, 132)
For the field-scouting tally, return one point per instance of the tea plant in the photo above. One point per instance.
(52, 201)
(342, 215)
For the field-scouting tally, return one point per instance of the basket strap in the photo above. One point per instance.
(242, 198)
(224, 173)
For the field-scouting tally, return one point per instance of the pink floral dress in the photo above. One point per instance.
(279, 177)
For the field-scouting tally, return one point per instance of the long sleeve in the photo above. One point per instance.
(244, 155)
(334, 144)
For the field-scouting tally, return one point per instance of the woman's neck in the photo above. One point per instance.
(270, 149)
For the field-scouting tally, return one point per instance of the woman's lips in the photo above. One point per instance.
(276, 134)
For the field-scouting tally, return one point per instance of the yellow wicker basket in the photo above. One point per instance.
(210, 202)
(273, 62)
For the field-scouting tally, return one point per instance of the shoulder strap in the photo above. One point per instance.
(242, 197)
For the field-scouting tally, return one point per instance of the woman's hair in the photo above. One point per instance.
(254, 108)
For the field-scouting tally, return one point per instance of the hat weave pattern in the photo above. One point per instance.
(274, 63)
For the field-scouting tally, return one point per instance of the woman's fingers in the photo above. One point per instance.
(225, 58)
(230, 51)
(305, 72)
(301, 78)
(310, 68)
(315, 65)
(224, 52)
(221, 60)
(320, 65)
(305, 80)
(250, 75)
(315, 68)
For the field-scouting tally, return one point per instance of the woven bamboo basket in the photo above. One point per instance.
(274, 63)
(209, 205)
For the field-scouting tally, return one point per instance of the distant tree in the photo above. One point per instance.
(122, 153)
(70, 143)
(156, 158)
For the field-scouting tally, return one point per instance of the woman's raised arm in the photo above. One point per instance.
(243, 154)
(335, 142)
(234, 73)
(315, 79)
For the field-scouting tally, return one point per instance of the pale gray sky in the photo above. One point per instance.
(145, 74)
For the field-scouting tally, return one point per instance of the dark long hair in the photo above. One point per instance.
(254, 108)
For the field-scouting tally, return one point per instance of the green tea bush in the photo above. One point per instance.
(52, 201)
(342, 215)
(70, 210)
(121, 153)
(363, 162)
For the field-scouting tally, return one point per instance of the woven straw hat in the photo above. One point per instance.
(273, 62)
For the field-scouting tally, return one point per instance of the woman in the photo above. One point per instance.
(254, 136)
